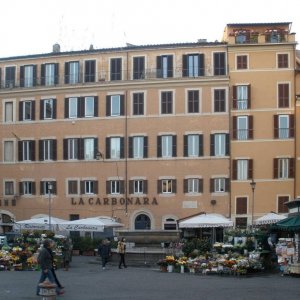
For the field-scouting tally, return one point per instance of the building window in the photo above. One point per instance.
(115, 105)
(283, 95)
(284, 168)
(72, 72)
(138, 186)
(193, 102)
(27, 188)
(72, 187)
(44, 187)
(10, 77)
(9, 189)
(115, 187)
(241, 223)
(219, 185)
(243, 128)
(26, 150)
(89, 109)
(116, 69)
(193, 145)
(90, 71)
(138, 147)
(282, 208)
(73, 107)
(166, 102)
(242, 169)
(170, 224)
(219, 100)
(164, 66)
(219, 63)
(8, 112)
(142, 222)
(49, 74)
(242, 62)
(193, 185)
(283, 60)
(115, 147)
(167, 186)
(166, 146)
(138, 104)
(89, 187)
(241, 205)
(284, 126)
(48, 109)
(81, 107)
(241, 97)
(71, 148)
(8, 151)
(193, 65)
(47, 150)
(219, 144)
(139, 67)
(26, 111)
(28, 76)
(89, 148)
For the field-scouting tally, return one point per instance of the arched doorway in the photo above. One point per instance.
(142, 222)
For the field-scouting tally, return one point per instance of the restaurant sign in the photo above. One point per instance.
(114, 201)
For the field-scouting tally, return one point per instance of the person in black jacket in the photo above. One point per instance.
(45, 260)
(104, 251)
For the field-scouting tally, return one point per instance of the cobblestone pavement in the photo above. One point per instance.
(86, 280)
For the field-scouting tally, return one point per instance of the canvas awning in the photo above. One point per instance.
(269, 218)
(40, 223)
(290, 224)
(90, 224)
(206, 220)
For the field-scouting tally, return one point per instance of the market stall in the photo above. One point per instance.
(268, 219)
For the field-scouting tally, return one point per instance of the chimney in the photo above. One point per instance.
(56, 48)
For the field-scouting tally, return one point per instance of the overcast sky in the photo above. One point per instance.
(33, 26)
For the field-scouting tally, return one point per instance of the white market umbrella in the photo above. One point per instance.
(270, 218)
(90, 224)
(206, 220)
(40, 223)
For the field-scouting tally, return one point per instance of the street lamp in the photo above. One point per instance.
(253, 185)
(50, 188)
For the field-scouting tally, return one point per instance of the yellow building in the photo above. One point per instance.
(152, 134)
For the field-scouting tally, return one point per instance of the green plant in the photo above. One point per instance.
(200, 245)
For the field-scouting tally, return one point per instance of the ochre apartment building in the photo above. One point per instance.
(153, 134)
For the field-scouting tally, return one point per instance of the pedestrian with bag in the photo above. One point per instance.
(45, 260)
(121, 250)
(104, 251)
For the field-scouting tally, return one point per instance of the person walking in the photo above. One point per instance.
(104, 251)
(66, 253)
(121, 250)
(45, 260)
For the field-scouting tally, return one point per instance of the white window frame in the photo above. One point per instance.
(73, 107)
(26, 150)
(242, 169)
(73, 72)
(8, 112)
(48, 103)
(219, 185)
(89, 148)
(49, 74)
(89, 106)
(115, 187)
(166, 186)
(138, 146)
(73, 148)
(115, 105)
(27, 105)
(283, 126)
(242, 97)
(115, 147)
(89, 187)
(283, 168)
(28, 76)
(12, 187)
(48, 148)
(242, 127)
(193, 185)
(27, 188)
(220, 144)
(8, 154)
(193, 65)
(193, 145)
(166, 146)
(138, 186)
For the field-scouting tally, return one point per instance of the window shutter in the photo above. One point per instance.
(234, 129)
(227, 150)
(122, 187)
(108, 191)
(66, 108)
(292, 126)
(65, 146)
(81, 107)
(22, 76)
(170, 66)
(291, 168)
(95, 187)
(234, 169)
(185, 185)
(42, 74)
(227, 185)
(159, 187)
(212, 145)
(34, 74)
(82, 189)
(41, 150)
(159, 153)
(56, 70)
(145, 191)
(42, 102)
(21, 111)
(159, 72)
(54, 150)
(131, 182)
(122, 148)
(201, 185)
(32, 110)
(249, 96)
(201, 145)
(21, 191)
(80, 149)
(32, 150)
(42, 186)
(96, 113)
(33, 188)
(107, 147)
(234, 97)
(241, 205)
(201, 65)
(130, 147)
(212, 185)
(54, 108)
(250, 120)
(67, 72)
(174, 186)
(174, 146)
(108, 112)
(275, 168)
(20, 150)
(185, 145)
(250, 168)
(122, 105)
(145, 147)
(184, 65)
(276, 129)
(95, 147)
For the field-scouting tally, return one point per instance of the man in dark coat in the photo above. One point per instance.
(45, 260)
(104, 251)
